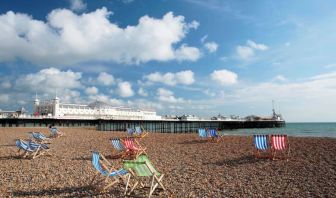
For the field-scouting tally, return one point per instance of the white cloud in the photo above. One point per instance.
(91, 90)
(77, 5)
(105, 79)
(69, 38)
(5, 85)
(49, 81)
(142, 92)
(280, 78)
(204, 38)
(211, 46)
(165, 95)
(224, 77)
(4, 98)
(248, 51)
(287, 44)
(183, 77)
(187, 53)
(193, 25)
(124, 89)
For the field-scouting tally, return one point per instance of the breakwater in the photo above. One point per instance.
(160, 126)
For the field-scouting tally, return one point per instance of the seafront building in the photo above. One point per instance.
(95, 110)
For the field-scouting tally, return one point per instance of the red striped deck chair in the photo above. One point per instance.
(280, 147)
(133, 146)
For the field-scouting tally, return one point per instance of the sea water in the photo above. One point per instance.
(293, 129)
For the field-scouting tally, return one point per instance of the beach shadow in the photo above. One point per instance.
(7, 145)
(247, 159)
(13, 157)
(80, 191)
(193, 142)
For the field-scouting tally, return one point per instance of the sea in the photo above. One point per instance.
(306, 129)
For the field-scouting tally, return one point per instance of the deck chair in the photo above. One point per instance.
(39, 137)
(143, 167)
(213, 134)
(31, 149)
(261, 145)
(140, 132)
(117, 145)
(105, 169)
(202, 133)
(130, 131)
(55, 133)
(133, 147)
(280, 146)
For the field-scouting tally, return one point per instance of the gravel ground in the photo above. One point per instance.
(192, 168)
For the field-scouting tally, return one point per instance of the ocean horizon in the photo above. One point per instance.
(297, 129)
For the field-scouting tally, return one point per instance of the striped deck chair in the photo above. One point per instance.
(117, 145)
(40, 137)
(105, 169)
(130, 131)
(139, 131)
(143, 167)
(31, 149)
(261, 146)
(55, 133)
(280, 145)
(202, 133)
(133, 147)
(213, 134)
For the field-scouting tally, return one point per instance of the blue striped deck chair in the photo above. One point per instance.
(213, 134)
(130, 131)
(105, 169)
(117, 145)
(202, 133)
(31, 149)
(55, 132)
(261, 145)
(40, 137)
(139, 131)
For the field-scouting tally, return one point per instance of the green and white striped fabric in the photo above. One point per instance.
(142, 166)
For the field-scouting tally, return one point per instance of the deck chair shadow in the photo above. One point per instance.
(280, 147)
(110, 176)
(119, 147)
(202, 133)
(261, 146)
(143, 167)
(140, 132)
(31, 149)
(133, 147)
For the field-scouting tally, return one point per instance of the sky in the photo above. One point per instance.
(180, 57)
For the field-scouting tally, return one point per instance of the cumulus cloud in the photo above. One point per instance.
(165, 95)
(124, 89)
(211, 46)
(224, 77)
(248, 51)
(4, 98)
(183, 77)
(142, 92)
(91, 90)
(70, 38)
(105, 79)
(77, 5)
(280, 78)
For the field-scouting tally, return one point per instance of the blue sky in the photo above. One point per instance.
(177, 57)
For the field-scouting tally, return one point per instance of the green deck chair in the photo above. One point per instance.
(143, 167)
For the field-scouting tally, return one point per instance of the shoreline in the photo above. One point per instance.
(192, 168)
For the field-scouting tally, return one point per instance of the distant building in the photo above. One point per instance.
(189, 117)
(96, 110)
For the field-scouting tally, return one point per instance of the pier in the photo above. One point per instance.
(159, 126)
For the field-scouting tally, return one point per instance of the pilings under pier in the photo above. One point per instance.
(159, 126)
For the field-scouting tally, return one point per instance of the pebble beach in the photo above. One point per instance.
(192, 168)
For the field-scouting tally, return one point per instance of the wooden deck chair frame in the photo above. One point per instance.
(121, 153)
(136, 149)
(113, 179)
(281, 148)
(155, 180)
(262, 148)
